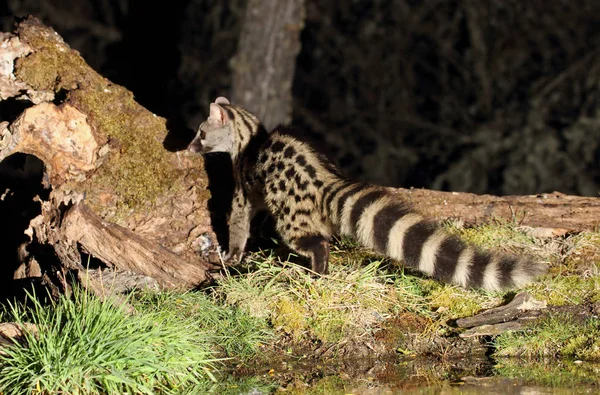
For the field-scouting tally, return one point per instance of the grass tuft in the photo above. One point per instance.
(84, 345)
(566, 289)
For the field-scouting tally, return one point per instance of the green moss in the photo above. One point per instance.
(138, 170)
(455, 302)
(53, 65)
(290, 317)
(494, 235)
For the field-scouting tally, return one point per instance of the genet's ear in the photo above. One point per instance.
(218, 114)
(222, 100)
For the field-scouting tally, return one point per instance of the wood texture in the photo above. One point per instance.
(556, 212)
(119, 247)
(521, 305)
(521, 312)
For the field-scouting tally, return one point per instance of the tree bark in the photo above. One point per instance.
(264, 66)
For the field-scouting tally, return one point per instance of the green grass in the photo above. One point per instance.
(353, 302)
(359, 295)
(452, 302)
(232, 332)
(498, 234)
(84, 345)
(347, 303)
(569, 289)
(362, 291)
(556, 336)
(572, 280)
(172, 344)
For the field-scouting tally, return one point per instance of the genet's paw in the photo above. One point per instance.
(232, 258)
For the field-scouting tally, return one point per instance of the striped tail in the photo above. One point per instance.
(379, 220)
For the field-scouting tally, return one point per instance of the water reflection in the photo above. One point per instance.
(420, 376)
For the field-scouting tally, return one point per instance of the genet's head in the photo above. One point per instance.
(216, 134)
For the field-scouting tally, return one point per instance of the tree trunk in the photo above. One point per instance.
(264, 66)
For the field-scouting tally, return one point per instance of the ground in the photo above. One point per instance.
(270, 324)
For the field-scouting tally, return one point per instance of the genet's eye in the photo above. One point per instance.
(201, 131)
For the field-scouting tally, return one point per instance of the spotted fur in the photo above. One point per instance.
(310, 201)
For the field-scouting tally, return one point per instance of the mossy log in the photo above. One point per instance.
(117, 193)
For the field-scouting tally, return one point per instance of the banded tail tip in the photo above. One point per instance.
(527, 270)
(508, 272)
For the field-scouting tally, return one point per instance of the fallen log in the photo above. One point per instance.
(116, 192)
(552, 214)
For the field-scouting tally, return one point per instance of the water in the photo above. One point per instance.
(418, 376)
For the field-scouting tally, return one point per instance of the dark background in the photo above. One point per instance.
(497, 97)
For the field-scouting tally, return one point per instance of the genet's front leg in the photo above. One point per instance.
(239, 227)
